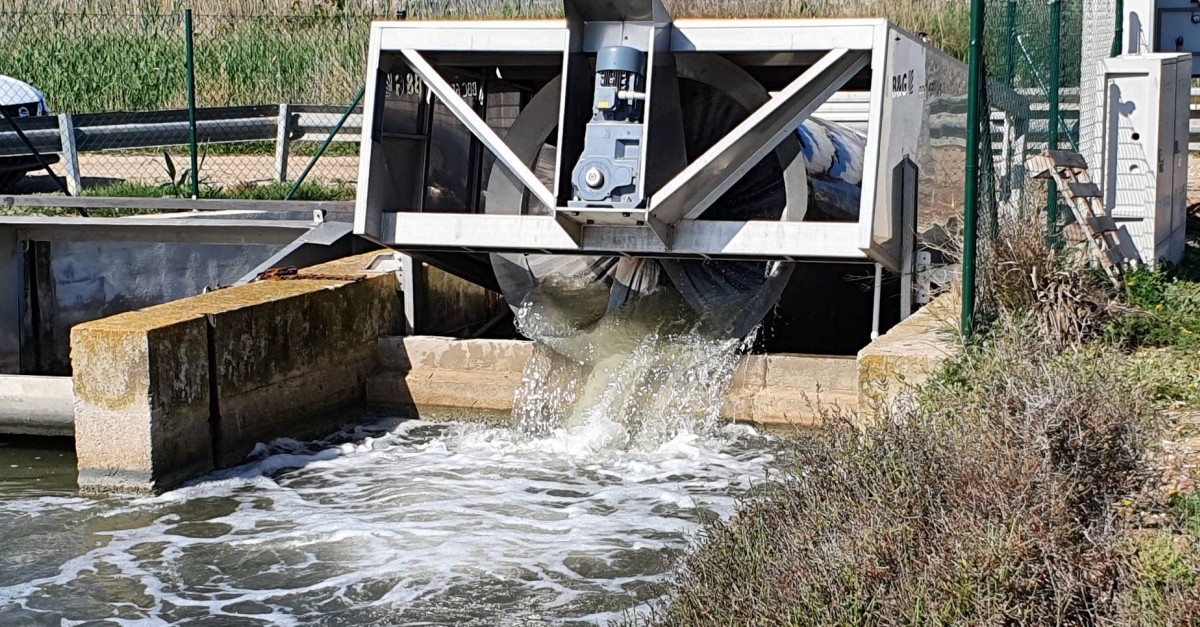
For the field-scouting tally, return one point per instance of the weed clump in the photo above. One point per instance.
(990, 502)
(1006, 491)
(1166, 311)
(1055, 290)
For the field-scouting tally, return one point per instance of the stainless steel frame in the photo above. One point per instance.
(896, 74)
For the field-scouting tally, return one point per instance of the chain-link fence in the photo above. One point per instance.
(106, 100)
(1035, 68)
(1032, 63)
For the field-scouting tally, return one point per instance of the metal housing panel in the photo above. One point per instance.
(1144, 101)
(774, 35)
(693, 238)
(895, 116)
(871, 154)
(482, 36)
(368, 208)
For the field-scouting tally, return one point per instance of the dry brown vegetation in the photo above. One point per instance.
(945, 21)
(1004, 493)
(1053, 289)
(251, 52)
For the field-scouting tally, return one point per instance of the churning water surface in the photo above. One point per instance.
(571, 515)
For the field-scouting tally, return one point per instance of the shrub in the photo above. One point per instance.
(1058, 291)
(1166, 311)
(1002, 495)
(989, 503)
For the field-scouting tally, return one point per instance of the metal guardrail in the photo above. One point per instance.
(68, 135)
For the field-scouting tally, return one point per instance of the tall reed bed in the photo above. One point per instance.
(92, 55)
(89, 62)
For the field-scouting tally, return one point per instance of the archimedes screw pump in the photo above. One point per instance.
(607, 172)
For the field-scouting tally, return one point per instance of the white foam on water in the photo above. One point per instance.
(426, 524)
(571, 516)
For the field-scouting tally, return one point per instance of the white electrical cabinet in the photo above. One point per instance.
(1145, 149)
(1162, 26)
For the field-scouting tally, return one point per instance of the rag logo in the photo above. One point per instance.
(411, 85)
(903, 84)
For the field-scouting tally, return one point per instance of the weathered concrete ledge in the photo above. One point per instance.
(33, 405)
(169, 393)
(895, 365)
(437, 377)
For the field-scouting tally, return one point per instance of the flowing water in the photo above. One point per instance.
(571, 516)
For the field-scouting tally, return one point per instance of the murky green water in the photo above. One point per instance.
(408, 523)
(572, 516)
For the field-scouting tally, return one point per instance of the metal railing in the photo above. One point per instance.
(69, 135)
(285, 124)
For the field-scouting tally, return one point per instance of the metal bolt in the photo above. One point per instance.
(593, 177)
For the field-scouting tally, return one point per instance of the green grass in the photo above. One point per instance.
(1161, 326)
(1165, 307)
(272, 191)
(264, 148)
(1173, 374)
(93, 56)
(126, 189)
(1165, 564)
(135, 62)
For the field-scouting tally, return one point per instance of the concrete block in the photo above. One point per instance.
(294, 355)
(751, 372)
(141, 402)
(423, 352)
(479, 379)
(900, 361)
(168, 393)
(429, 391)
(812, 373)
(788, 407)
(509, 356)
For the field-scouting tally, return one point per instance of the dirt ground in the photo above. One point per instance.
(224, 171)
(1194, 181)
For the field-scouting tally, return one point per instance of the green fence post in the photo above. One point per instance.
(1010, 44)
(1054, 117)
(1119, 31)
(191, 96)
(325, 145)
(976, 104)
(1010, 78)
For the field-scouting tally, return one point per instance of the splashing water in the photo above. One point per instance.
(632, 380)
(571, 517)
(423, 524)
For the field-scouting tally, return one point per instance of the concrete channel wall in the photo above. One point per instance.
(893, 368)
(79, 281)
(444, 378)
(33, 405)
(168, 393)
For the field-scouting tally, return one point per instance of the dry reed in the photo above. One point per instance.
(100, 55)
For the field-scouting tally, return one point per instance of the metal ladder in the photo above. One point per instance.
(1092, 224)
